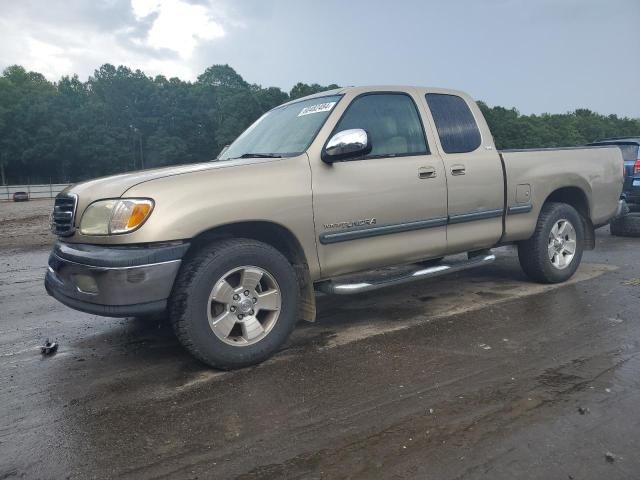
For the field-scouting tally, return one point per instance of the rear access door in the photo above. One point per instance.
(475, 179)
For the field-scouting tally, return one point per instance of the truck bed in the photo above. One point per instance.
(532, 175)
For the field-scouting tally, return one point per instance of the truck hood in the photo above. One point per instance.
(115, 186)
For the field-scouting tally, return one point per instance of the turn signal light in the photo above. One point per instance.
(139, 213)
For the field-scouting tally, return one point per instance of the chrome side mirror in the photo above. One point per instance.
(346, 144)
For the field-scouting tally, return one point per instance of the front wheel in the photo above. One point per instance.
(234, 303)
(554, 251)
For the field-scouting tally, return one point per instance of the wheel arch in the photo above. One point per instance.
(578, 199)
(277, 236)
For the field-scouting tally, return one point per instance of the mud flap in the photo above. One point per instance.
(308, 302)
(307, 293)
(589, 234)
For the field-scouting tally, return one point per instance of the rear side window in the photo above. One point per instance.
(391, 121)
(454, 121)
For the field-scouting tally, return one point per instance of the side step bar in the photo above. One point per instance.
(346, 287)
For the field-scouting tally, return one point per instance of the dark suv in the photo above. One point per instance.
(630, 147)
(628, 225)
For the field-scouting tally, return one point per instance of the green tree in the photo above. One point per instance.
(222, 76)
(302, 89)
(121, 119)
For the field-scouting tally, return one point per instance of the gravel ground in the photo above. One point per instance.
(481, 374)
(25, 224)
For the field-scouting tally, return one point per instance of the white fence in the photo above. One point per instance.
(34, 191)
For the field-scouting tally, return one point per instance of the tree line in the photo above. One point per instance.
(121, 120)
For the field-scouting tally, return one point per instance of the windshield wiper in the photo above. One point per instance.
(260, 155)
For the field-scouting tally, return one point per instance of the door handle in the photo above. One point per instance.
(458, 169)
(426, 172)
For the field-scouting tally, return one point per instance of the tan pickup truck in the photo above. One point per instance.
(318, 195)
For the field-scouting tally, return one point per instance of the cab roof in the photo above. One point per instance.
(377, 88)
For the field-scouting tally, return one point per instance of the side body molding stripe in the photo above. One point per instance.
(327, 238)
(368, 232)
(520, 209)
(470, 217)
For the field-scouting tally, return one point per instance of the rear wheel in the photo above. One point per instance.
(554, 251)
(626, 226)
(634, 207)
(235, 303)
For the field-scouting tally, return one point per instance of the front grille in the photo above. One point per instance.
(62, 217)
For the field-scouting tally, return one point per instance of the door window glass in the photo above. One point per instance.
(391, 121)
(454, 121)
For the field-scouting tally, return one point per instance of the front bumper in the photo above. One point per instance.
(113, 281)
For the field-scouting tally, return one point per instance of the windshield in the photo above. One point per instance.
(284, 131)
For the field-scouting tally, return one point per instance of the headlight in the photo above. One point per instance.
(106, 217)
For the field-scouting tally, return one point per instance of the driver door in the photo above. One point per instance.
(386, 207)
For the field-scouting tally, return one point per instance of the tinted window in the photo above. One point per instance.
(391, 121)
(456, 126)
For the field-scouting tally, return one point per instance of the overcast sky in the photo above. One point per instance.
(535, 55)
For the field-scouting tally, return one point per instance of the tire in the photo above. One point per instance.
(634, 207)
(542, 256)
(626, 226)
(236, 342)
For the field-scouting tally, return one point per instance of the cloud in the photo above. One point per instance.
(539, 56)
(177, 25)
(62, 37)
(50, 58)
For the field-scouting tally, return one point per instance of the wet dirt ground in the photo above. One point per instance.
(478, 375)
(25, 224)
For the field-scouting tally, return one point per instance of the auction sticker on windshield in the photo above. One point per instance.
(320, 107)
